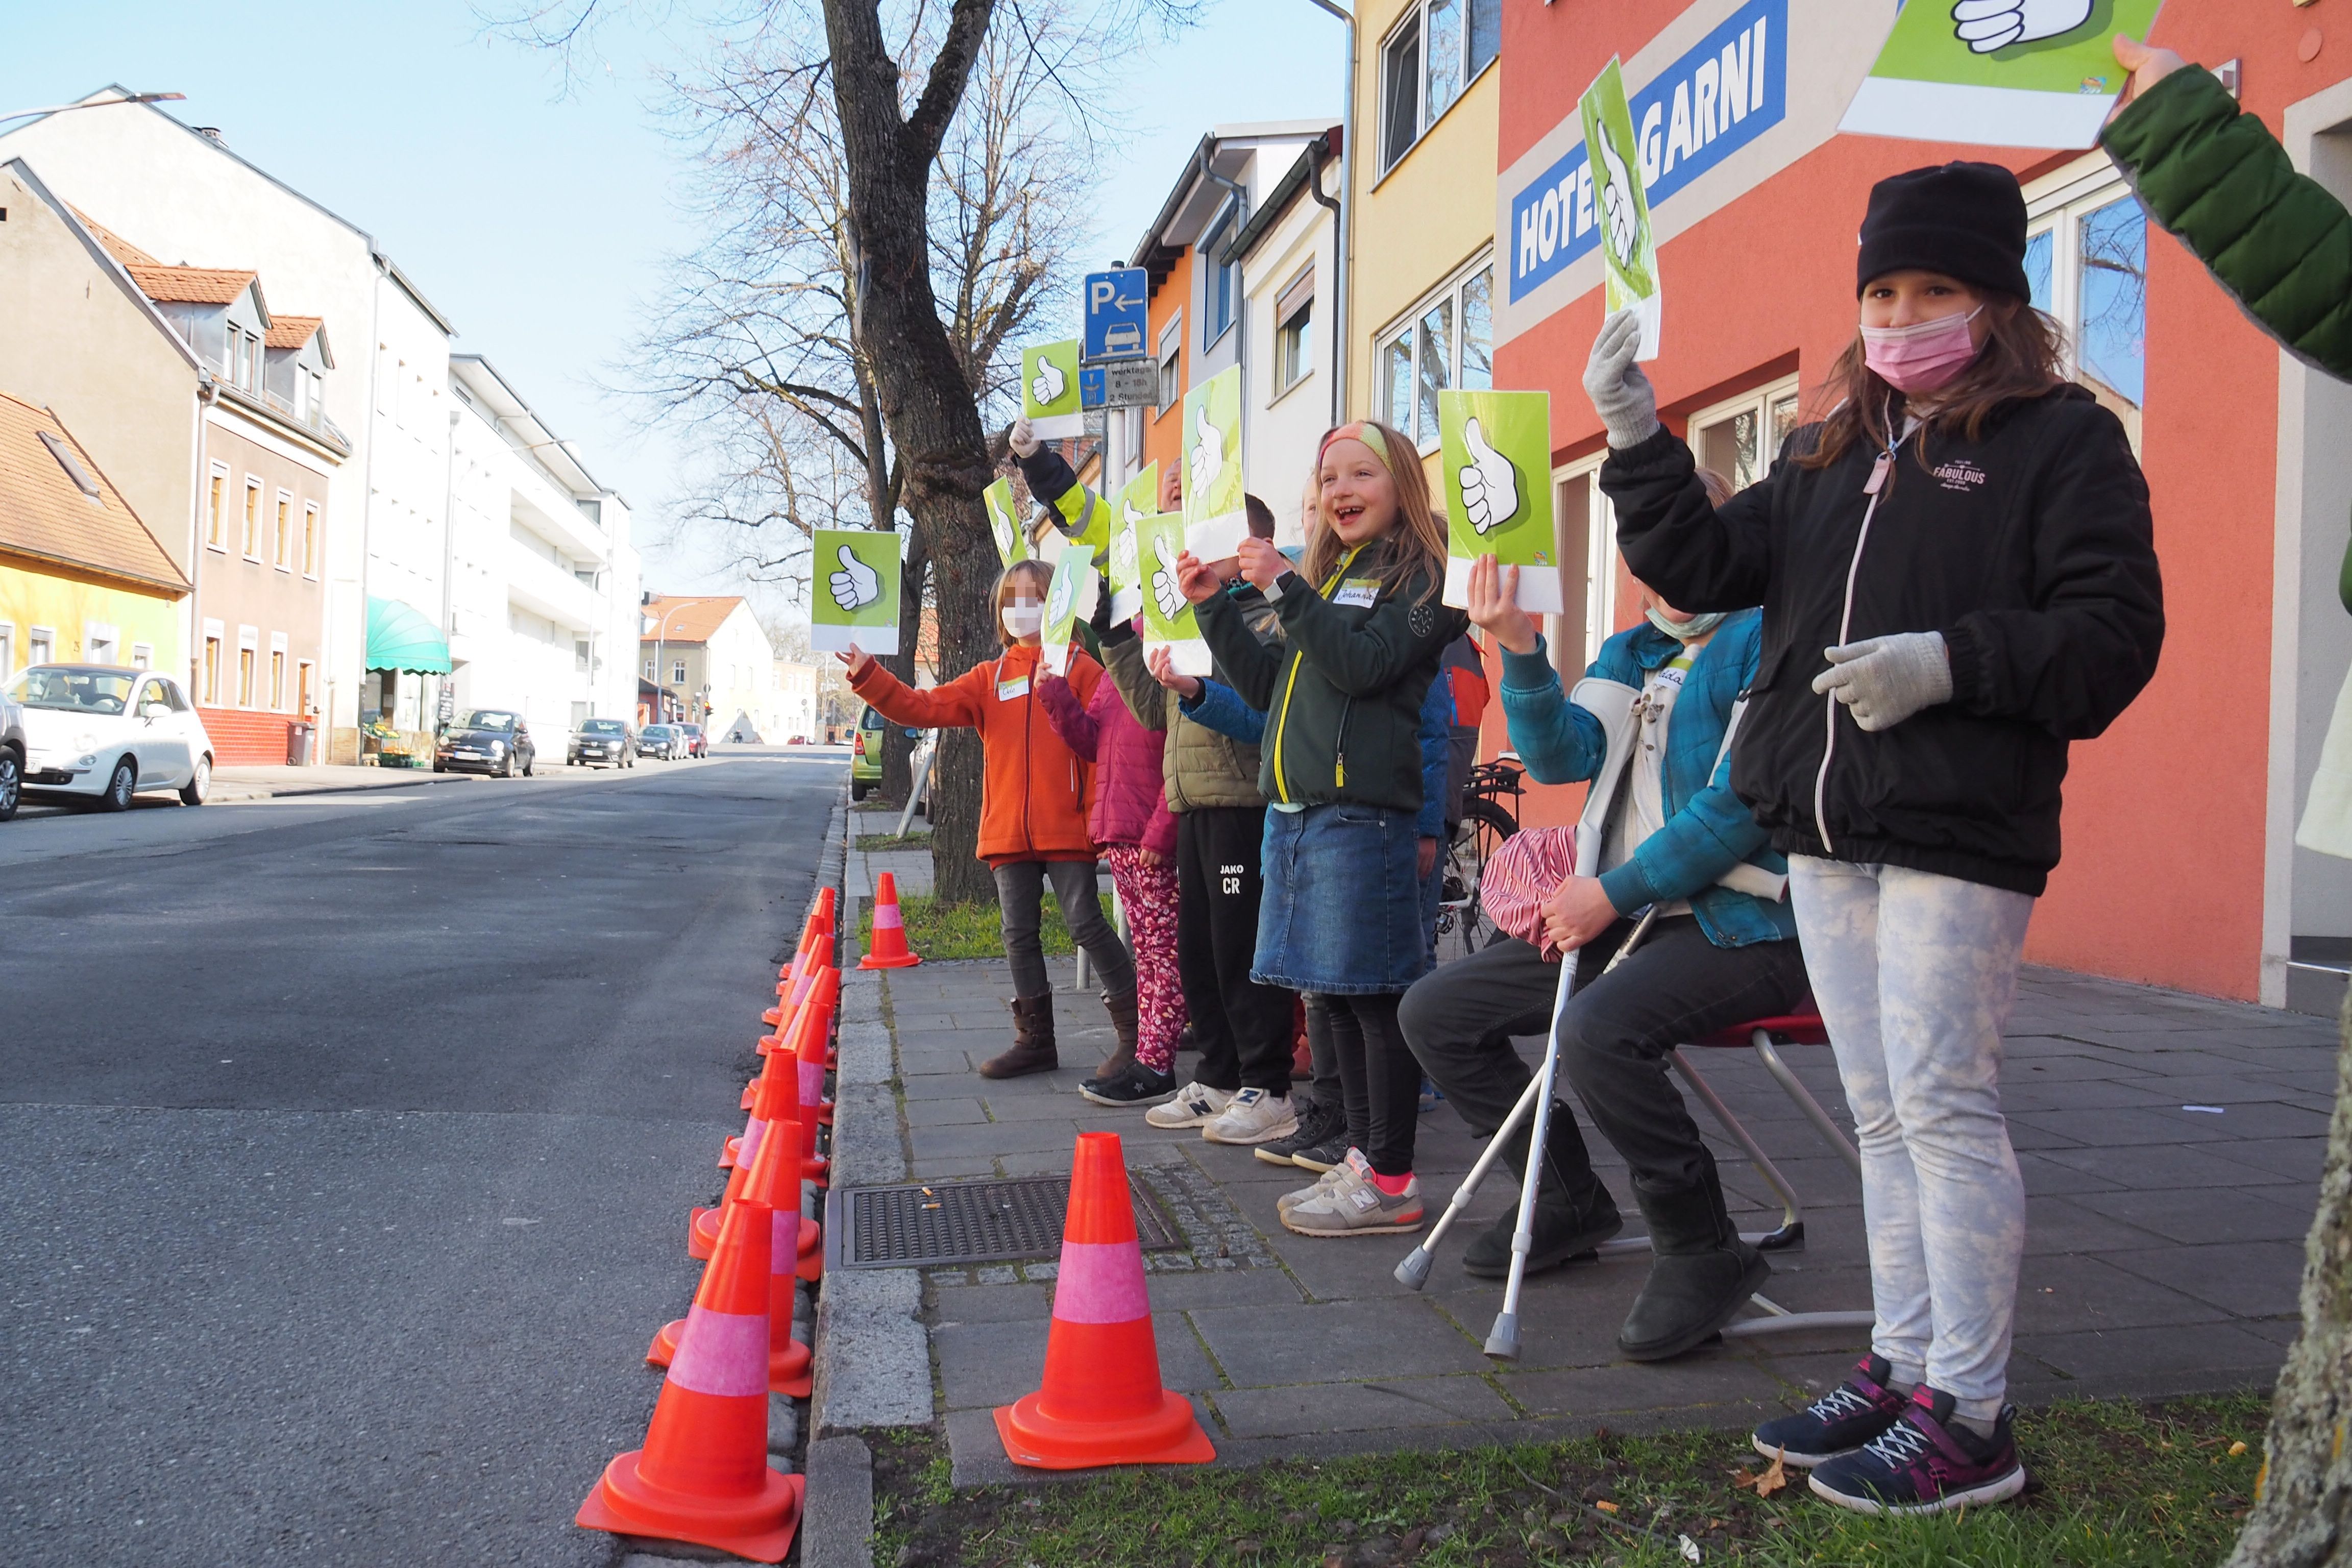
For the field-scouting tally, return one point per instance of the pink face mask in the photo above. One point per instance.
(1922, 357)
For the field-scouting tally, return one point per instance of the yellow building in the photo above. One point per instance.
(82, 580)
(1421, 278)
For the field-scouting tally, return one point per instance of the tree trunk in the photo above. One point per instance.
(2303, 1508)
(927, 403)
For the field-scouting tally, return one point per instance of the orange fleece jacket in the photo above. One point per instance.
(1035, 791)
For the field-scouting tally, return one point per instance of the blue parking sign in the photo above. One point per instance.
(1117, 318)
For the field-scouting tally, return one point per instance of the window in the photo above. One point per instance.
(302, 675)
(142, 656)
(678, 673)
(311, 539)
(212, 665)
(245, 677)
(216, 509)
(1587, 527)
(579, 656)
(1741, 439)
(1217, 288)
(41, 647)
(1293, 336)
(2086, 260)
(1172, 365)
(649, 669)
(1450, 344)
(1439, 49)
(7, 650)
(99, 643)
(283, 545)
(278, 679)
(251, 530)
(71, 464)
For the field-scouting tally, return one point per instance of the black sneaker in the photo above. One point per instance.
(1855, 1412)
(1316, 1127)
(1925, 1463)
(1138, 1085)
(1330, 1155)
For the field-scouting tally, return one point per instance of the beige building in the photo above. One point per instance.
(713, 663)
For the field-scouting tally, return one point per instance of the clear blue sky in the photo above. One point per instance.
(538, 223)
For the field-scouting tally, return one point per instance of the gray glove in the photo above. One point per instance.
(1621, 393)
(1887, 679)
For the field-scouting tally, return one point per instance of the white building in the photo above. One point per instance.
(796, 698)
(714, 664)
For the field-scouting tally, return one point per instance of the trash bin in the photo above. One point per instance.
(301, 736)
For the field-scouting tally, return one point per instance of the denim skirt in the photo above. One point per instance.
(1342, 911)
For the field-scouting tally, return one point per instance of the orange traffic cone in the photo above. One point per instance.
(888, 949)
(703, 1475)
(1102, 1401)
(775, 1099)
(774, 1182)
(811, 1044)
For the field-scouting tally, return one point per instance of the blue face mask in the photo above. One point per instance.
(1684, 631)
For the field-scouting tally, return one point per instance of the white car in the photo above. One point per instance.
(103, 732)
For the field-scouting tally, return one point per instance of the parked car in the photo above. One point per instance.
(12, 755)
(487, 741)
(658, 741)
(103, 732)
(865, 755)
(697, 744)
(602, 743)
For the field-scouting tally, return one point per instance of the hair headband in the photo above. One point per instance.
(1361, 430)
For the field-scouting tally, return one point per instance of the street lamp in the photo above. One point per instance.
(1345, 225)
(661, 630)
(95, 103)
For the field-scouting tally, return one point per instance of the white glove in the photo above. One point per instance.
(1988, 25)
(1490, 485)
(1617, 206)
(1887, 679)
(1620, 392)
(1164, 590)
(1023, 440)
(1208, 455)
(1045, 386)
(856, 584)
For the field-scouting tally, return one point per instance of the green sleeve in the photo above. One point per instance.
(1364, 656)
(2215, 177)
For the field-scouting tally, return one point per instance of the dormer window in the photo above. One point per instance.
(72, 465)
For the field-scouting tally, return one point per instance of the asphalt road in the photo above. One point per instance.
(346, 1145)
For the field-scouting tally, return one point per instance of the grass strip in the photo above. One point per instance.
(921, 840)
(2115, 1484)
(938, 930)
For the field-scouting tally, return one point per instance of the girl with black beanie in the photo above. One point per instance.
(1959, 579)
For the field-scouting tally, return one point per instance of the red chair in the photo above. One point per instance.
(1766, 1036)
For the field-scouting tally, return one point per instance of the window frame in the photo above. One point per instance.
(1220, 282)
(1406, 328)
(216, 509)
(1414, 20)
(250, 522)
(2056, 205)
(1294, 302)
(284, 520)
(311, 539)
(7, 649)
(1171, 358)
(1760, 401)
(305, 685)
(142, 656)
(40, 637)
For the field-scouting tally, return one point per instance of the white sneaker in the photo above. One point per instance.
(1195, 1104)
(1353, 1205)
(1328, 1180)
(1252, 1116)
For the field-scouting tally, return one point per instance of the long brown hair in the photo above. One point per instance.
(2023, 351)
(1416, 540)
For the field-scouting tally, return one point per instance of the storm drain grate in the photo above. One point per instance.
(996, 1221)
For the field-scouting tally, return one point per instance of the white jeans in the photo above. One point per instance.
(1915, 974)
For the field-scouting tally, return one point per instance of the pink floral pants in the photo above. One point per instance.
(1146, 895)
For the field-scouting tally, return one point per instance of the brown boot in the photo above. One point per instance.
(1033, 1040)
(1122, 1021)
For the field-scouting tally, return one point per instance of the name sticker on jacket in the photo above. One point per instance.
(1359, 592)
(1008, 690)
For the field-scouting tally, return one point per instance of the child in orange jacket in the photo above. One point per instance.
(1033, 813)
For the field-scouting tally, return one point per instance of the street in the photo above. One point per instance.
(349, 1144)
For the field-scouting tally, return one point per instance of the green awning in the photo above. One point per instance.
(402, 636)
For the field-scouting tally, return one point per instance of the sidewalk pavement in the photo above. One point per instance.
(2171, 1148)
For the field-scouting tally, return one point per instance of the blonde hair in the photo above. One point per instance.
(1033, 572)
(1416, 540)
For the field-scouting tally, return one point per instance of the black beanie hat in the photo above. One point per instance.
(1964, 220)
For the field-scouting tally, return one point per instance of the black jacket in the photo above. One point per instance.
(1342, 700)
(2030, 549)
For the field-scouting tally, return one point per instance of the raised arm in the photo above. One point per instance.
(1218, 707)
(1123, 663)
(1559, 741)
(1248, 664)
(958, 703)
(1693, 554)
(1068, 717)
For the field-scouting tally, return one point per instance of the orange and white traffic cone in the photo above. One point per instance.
(776, 1099)
(1102, 1401)
(703, 1475)
(776, 1182)
(792, 981)
(888, 948)
(812, 1046)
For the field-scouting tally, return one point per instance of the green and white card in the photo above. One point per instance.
(1168, 619)
(1493, 453)
(1629, 254)
(2001, 73)
(1070, 597)
(1049, 390)
(1004, 522)
(853, 591)
(1215, 522)
(1138, 500)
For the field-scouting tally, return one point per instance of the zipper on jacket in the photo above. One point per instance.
(1339, 757)
(1282, 721)
(1879, 473)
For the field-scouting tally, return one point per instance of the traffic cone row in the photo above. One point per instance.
(703, 1475)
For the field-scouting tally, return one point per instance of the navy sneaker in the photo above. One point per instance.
(1839, 1422)
(1925, 1463)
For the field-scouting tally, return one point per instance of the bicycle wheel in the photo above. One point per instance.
(1481, 832)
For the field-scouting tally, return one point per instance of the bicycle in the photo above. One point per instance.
(1486, 823)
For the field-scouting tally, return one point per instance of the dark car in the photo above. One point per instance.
(602, 743)
(697, 744)
(487, 741)
(658, 741)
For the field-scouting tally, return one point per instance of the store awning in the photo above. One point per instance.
(402, 636)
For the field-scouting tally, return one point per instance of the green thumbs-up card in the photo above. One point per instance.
(1138, 500)
(1069, 597)
(2001, 73)
(1168, 620)
(853, 589)
(1004, 522)
(1215, 522)
(1494, 454)
(1629, 255)
(1049, 390)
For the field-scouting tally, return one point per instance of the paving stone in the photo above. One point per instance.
(991, 1138)
(1704, 1378)
(990, 1303)
(2157, 1168)
(2075, 1225)
(2299, 1159)
(2152, 1355)
(2210, 1213)
(1259, 1346)
(1314, 1407)
(2058, 1293)
(983, 1364)
(2251, 1278)
(873, 1359)
(2122, 1126)
(2088, 1094)
(935, 1086)
(2264, 1119)
(944, 1113)
(2045, 1176)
